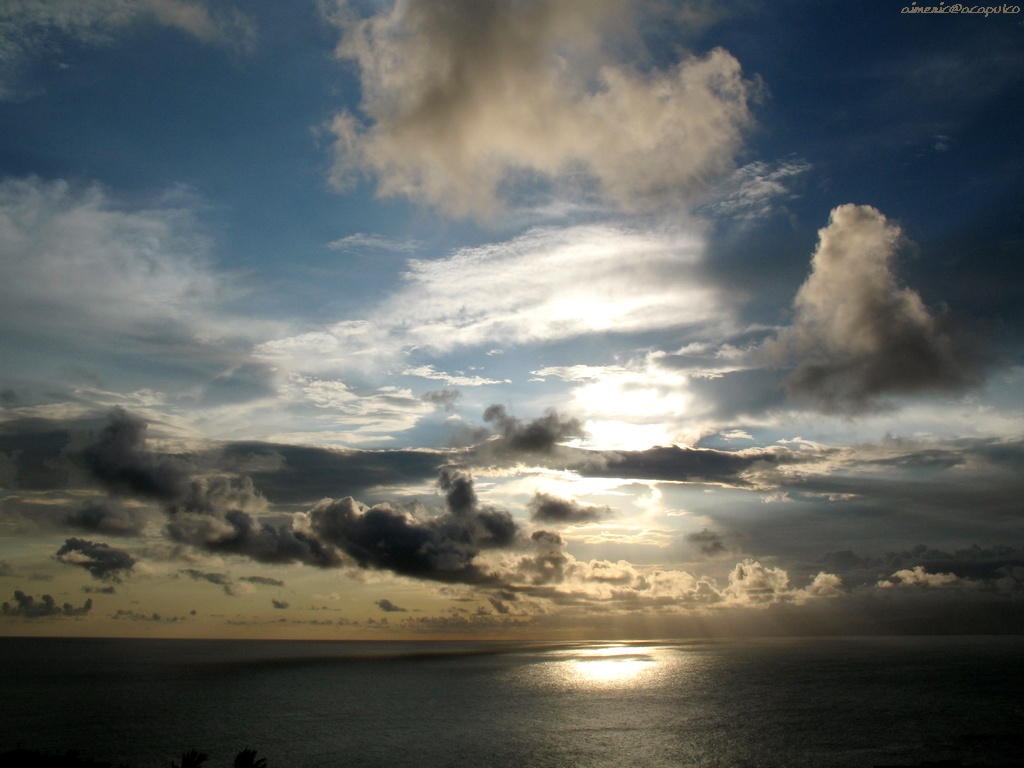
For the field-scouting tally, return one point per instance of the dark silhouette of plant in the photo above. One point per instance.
(247, 759)
(191, 759)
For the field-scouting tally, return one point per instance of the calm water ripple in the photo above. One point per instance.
(836, 702)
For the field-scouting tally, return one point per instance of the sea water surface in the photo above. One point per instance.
(780, 702)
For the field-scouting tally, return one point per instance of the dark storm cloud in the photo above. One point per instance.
(208, 495)
(264, 580)
(859, 335)
(289, 474)
(280, 604)
(26, 607)
(388, 607)
(236, 532)
(27, 512)
(991, 565)
(99, 559)
(688, 464)
(222, 580)
(927, 483)
(709, 542)
(458, 490)
(34, 448)
(538, 436)
(212, 511)
(440, 548)
(443, 398)
(215, 513)
(105, 518)
(130, 615)
(546, 508)
(119, 460)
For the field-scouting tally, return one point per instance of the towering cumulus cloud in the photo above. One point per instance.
(858, 333)
(461, 96)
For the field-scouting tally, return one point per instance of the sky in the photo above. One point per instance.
(512, 319)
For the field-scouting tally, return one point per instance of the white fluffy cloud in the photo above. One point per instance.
(919, 577)
(859, 335)
(557, 576)
(464, 97)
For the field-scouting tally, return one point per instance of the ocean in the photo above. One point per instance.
(780, 702)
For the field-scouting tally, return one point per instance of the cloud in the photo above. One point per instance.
(458, 379)
(753, 583)
(919, 577)
(26, 607)
(111, 590)
(754, 191)
(675, 463)
(380, 413)
(442, 398)
(546, 508)
(360, 242)
(99, 559)
(858, 334)
(553, 575)
(222, 580)
(34, 27)
(464, 100)
(107, 519)
(388, 607)
(80, 263)
(633, 404)
(709, 542)
(92, 281)
(280, 604)
(211, 512)
(210, 25)
(264, 580)
(242, 383)
(119, 459)
(439, 548)
(556, 283)
(541, 435)
(214, 517)
(130, 615)
(289, 474)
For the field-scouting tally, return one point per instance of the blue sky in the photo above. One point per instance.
(446, 319)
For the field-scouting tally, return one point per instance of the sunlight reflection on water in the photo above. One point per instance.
(602, 666)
